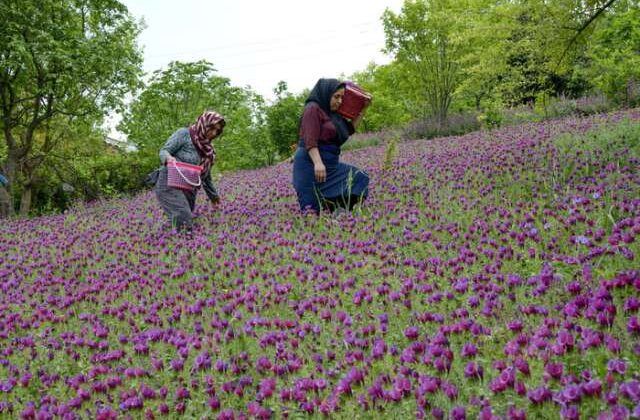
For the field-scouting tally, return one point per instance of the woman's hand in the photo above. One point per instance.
(320, 171)
(170, 159)
(358, 118)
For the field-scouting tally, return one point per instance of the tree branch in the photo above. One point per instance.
(582, 28)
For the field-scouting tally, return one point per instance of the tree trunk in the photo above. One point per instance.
(6, 204)
(25, 200)
(6, 198)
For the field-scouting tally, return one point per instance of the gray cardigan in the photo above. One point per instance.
(180, 146)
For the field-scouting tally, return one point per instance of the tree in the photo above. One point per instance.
(615, 55)
(545, 43)
(175, 97)
(392, 102)
(283, 117)
(82, 167)
(423, 37)
(63, 60)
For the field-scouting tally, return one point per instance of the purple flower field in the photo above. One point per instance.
(492, 275)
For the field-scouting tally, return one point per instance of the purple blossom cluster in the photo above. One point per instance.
(491, 275)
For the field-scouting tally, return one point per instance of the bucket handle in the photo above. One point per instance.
(185, 178)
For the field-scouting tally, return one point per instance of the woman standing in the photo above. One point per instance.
(189, 145)
(319, 178)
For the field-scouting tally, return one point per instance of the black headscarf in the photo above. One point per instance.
(321, 94)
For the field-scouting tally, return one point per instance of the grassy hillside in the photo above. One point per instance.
(495, 272)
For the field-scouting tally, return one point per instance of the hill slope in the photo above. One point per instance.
(496, 271)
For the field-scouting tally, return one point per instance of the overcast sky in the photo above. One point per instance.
(260, 42)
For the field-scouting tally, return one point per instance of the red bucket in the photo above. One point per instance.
(183, 176)
(354, 101)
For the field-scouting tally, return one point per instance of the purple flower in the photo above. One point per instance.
(514, 413)
(428, 385)
(450, 390)
(176, 364)
(214, 403)
(592, 388)
(458, 413)
(570, 412)
(631, 390)
(617, 366)
(202, 362)
(147, 393)
(554, 370)
(522, 365)
(227, 414)
(132, 403)
(469, 350)
(515, 325)
(539, 395)
(267, 387)
(437, 413)
(412, 333)
(615, 412)
(571, 393)
(182, 393)
(7, 386)
(106, 413)
(633, 325)
(473, 370)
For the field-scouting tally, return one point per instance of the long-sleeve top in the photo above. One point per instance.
(317, 128)
(180, 146)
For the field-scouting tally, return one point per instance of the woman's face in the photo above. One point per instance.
(336, 99)
(213, 131)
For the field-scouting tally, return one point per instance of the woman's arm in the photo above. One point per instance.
(209, 188)
(173, 144)
(310, 132)
(318, 166)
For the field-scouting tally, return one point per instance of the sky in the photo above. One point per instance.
(258, 43)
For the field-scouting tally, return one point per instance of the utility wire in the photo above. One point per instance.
(315, 38)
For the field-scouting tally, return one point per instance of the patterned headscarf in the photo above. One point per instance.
(198, 133)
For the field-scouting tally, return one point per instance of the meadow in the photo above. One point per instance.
(489, 275)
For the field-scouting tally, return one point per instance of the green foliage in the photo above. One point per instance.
(455, 124)
(521, 51)
(392, 102)
(491, 117)
(423, 37)
(245, 142)
(175, 97)
(615, 56)
(64, 61)
(456, 66)
(390, 153)
(283, 118)
(81, 167)
(615, 144)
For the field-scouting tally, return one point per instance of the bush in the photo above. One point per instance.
(360, 140)
(595, 104)
(559, 107)
(519, 115)
(457, 124)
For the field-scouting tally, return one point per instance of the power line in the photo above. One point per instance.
(285, 38)
(299, 57)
